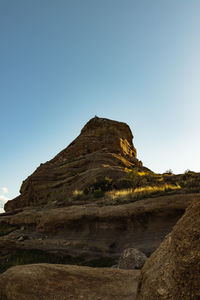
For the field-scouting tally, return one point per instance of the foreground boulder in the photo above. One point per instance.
(132, 258)
(56, 282)
(173, 270)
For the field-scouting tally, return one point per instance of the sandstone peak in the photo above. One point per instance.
(107, 126)
(101, 134)
(103, 148)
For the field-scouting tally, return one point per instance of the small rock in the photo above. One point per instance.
(161, 291)
(22, 238)
(132, 258)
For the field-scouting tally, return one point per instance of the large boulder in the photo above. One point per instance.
(173, 270)
(56, 282)
(132, 258)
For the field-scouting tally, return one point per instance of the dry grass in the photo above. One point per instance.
(120, 196)
(77, 193)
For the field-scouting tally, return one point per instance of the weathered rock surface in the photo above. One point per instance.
(91, 231)
(132, 258)
(104, 148)
(56, 282)
(46, 223)
(173, 270)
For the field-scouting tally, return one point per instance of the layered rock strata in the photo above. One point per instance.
(91, 232)
(103, 148)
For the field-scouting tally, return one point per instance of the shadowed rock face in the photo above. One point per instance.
(173, 270)
(56, 282)
(104, 148)
(88, 232)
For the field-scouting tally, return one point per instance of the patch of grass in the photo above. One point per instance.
(129, 195)
(23, 257)
(138, 184)
(98, 187)
(79, 195)
(190, 181)
(136, 178)
(6, 228)
(99, 193)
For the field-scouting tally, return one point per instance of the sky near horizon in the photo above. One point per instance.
(64, 61)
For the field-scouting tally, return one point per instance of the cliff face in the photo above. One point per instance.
(173, 270)
(87, 234)
(103, 148)
(97, 134)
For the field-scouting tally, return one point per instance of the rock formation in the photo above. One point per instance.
(47, 224)
(173, 270)
(61, 282)
(132, 258)
(103, 148)
(87, 234)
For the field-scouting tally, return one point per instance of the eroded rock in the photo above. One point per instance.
(89, 232)
(103, 149)
(56, 282)
(132, 258)
(173, 270)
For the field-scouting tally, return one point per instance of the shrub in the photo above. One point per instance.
(99, 186)
(169, 172)
(99, 193)
(6, 228)
(23, 257)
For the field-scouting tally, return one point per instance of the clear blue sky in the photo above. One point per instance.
(64, 61)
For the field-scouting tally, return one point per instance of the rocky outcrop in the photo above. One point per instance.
(49, 223)
(103, 149)
(173, 270)
(132, 258)
(55, 282)
(88, 234)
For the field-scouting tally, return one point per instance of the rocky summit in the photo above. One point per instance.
(104, 148)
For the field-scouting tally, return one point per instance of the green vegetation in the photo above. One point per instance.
(190, 181)
(169, 172)
(138, 184)
(130, 195)
(6, 228)
(23, 257)
(99, 187)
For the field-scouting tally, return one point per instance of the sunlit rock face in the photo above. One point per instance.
(103, 148)
(100, 133)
